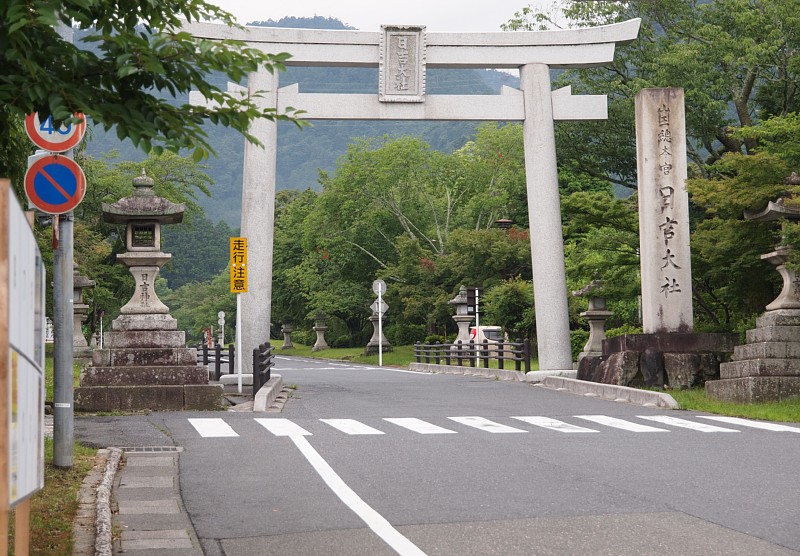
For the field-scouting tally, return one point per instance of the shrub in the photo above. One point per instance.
(624, 329)
(404, 334)
(577, 339)
(433, 338)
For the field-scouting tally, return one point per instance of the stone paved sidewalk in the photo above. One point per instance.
(150, 518)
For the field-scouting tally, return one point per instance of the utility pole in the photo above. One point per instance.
(63, 416)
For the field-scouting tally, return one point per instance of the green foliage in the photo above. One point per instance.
(196, 305)
(139, 57)
(510, 304)
(622, 330)
(577, 340)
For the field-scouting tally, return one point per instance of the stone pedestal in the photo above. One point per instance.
(463, 322)
(320, 344)
(767, 367)
(144, 363)
(677, 360)
(375, 342)
(286, 330)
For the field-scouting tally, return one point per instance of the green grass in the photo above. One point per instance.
(401, 356)
(787, 411)
(48, 373)
(54, 507)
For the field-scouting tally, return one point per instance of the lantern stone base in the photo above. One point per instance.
(767, 368)
(146, 370)
(677, 360)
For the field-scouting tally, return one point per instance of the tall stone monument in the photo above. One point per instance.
(665, 257)
(145, 363)
(669, 352)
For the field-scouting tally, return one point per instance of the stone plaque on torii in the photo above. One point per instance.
(403, 53)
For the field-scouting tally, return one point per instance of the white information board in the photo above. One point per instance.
(26, 318)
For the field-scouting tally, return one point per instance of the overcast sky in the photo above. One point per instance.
(368, 15)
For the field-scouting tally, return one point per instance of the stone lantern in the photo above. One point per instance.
(82, 351)
(143, 214)
(462, 318)
(145, 363)
(767, 367)
(596, 315)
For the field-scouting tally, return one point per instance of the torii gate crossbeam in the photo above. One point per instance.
(402, 53)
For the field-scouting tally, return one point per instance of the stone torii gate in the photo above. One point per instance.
(403, 53)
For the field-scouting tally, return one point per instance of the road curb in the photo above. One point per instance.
(499, 374)
(267, 394)
(646, 398)
(103, 528)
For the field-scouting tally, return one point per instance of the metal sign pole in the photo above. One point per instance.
(380, 330)
(241, 354)
(63, 351)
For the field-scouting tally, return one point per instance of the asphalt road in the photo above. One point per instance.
(375, 461)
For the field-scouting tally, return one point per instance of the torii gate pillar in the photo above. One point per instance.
(544, 215)
(258, 217)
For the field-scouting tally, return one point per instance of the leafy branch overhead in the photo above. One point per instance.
(133, 69)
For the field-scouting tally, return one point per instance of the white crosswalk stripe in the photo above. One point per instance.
(553, 424)
(485, 424)
(212, 428)
(683, 423)
(754, 424)
(418, 425)
(219, 428)
(620, 423)
(351, 426)
(283, 427)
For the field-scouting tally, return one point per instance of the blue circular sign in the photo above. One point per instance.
(55, 184)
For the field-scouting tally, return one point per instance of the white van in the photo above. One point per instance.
(492, 334)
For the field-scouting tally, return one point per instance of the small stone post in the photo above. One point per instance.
(286, 330)
(320, 329)
(372, 345)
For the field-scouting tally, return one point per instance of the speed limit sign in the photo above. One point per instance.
(47, 136)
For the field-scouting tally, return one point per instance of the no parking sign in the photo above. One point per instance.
(54, 184)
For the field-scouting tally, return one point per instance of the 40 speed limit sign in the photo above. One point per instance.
(46, 136)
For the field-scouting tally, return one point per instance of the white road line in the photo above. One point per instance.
(282, 427)
(683, 423)
(418, 425)
(351, 426)
(212, 428)
(619, 423)
(754, 424)
(484, 424)
(553, 424)
(373, 519)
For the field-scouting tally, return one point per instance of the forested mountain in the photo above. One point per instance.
(302, 153)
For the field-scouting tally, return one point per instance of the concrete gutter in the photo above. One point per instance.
(267, 393)
(497, 374)
(646, 398)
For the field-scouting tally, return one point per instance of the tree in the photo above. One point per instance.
(736, 60)
(132, 70)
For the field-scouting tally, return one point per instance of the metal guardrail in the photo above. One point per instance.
(218, 356)
(476, 354)
(262, 366)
